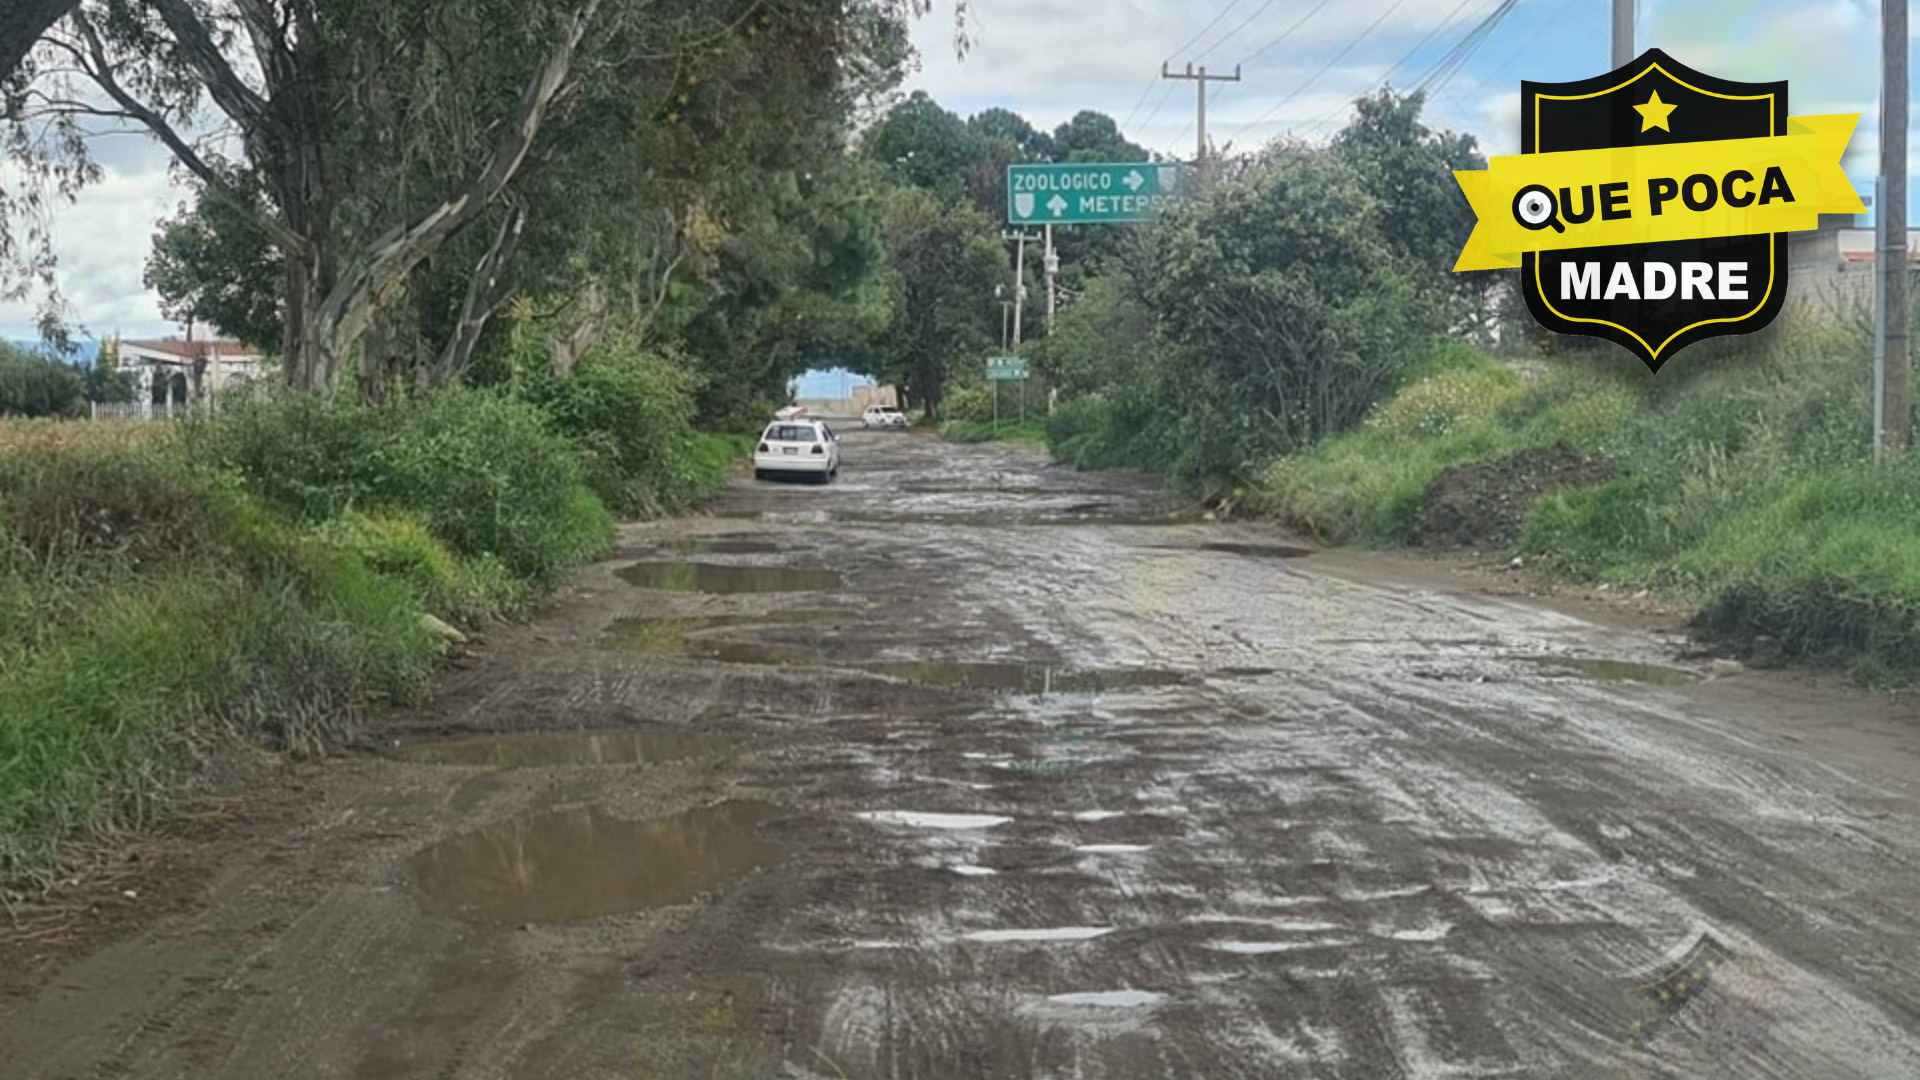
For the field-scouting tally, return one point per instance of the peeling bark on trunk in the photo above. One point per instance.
(567, 350)
(346, 311)
(484, 293)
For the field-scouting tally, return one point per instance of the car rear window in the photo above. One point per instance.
(790, 433)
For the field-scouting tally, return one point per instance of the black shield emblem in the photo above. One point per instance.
(1620, 109)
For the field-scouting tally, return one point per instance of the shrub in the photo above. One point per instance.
(629, 413)
(34, 386)
(480, 469)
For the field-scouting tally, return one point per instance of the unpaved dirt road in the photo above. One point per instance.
(971, 767)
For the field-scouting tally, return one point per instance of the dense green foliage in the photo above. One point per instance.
(1273, 310)
(258, 575)
(35, 386)
(1744, 485)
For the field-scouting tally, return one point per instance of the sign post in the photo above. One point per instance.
(1092, 193)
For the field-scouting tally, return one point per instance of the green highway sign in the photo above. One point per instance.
(1091, 193)
(1006, 368)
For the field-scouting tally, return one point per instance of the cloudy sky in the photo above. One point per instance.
(1301, 61)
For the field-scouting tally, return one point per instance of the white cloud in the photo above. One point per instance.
(102, 241)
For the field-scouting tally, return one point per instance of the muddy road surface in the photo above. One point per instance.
(971, 767)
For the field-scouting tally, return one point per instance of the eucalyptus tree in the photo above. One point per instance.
(381, 135)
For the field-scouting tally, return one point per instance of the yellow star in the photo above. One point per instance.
(1654, 113)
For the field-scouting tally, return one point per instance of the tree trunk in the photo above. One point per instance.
(22, 22)
(484, 293)
(568, 349)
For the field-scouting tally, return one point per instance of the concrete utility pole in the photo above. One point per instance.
(1891, 215)
(1201, 79)
(1622, 33)
(1052, 266)
(1020, 237)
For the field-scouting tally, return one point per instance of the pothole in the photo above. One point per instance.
(678, 636)
(1023, 678)
(717, 578)
(1617, 670)
(1257, 551)
(720, 545)
(575, 864)
(539, 749)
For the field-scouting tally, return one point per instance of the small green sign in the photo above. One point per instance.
(1086, 193)
(1006, 368)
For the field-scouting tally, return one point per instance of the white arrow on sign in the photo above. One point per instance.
(1134, 180)
(1058, 205)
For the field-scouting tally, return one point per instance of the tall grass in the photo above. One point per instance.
(257, 578)
(1742, 484)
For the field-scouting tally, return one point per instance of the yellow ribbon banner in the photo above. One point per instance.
(1644, 194)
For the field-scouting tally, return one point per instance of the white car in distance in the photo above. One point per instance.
(797, 447)
(879, 416)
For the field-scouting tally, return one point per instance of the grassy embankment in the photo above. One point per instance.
(1032, 432)
(172, 598)
(1737, 478)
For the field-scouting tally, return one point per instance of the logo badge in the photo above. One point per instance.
(1650, 206)
(1023, 203)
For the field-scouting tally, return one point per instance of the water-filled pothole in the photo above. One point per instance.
(537, 749)
(722, 545)
(716, 578)
(1023, 678)
(1617, 670)
(1257, 551)
(680, 637)
(581, 864)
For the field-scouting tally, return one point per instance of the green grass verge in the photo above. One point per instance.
(1740, 489)
(170, 596)
(1033, 432)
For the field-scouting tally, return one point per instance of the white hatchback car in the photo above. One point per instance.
(803, 447)
(879, 416)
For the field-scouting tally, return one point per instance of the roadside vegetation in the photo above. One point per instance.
(171, 595)
(1292, 344)
(504, 303)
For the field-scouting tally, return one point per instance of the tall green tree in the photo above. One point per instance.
(946, 259)
(211, 263)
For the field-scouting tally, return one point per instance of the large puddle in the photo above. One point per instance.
(1601, 670)
(1024, 678)
(680, 637)
(581, 864)
(538, 749)
(722, 545)
(716, 578)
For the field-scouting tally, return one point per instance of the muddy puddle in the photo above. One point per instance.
(569, 865)
(718, 578)
(1024, 678)
(1257, 551)
(1615, 671)
(721, 545)
(682, 637)
(532, 750)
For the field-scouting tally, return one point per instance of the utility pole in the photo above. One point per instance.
(1622, 33)
(1052, 266)
(1890, 214)
(1201, 79)
(1020, 237)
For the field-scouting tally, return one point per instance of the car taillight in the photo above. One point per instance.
(819, 450)
(763, 448)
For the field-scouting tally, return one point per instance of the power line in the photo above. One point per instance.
(1452, 17)
(1205, 30)
(1235, 32)
(1324, 68)
(1164, 95)
(1434, 80)
(1287, 33)
(1151, 83)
